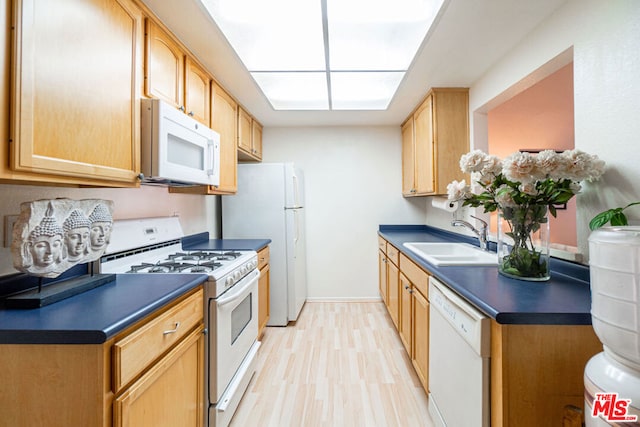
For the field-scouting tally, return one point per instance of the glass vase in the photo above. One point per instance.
(523, 242)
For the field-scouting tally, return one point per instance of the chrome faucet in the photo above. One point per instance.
(482, 233)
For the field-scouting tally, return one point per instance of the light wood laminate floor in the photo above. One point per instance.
(341, 364)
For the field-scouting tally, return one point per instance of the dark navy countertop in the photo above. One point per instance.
(201, 242)
(563, 300)
(94, 316)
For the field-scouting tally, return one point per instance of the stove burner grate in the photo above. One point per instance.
(211, 264)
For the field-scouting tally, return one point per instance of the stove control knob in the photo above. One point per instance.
(237, 275)
(229, 281)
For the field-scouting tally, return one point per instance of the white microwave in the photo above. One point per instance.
(175, 148)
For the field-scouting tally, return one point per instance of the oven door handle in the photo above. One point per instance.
(235, 294)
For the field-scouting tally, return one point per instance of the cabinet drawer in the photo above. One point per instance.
(417, 276)
(263, 258)
(382, 244)
(393, 254)
(133, 353)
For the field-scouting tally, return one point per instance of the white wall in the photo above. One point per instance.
(353, 184)
(197, 213)
(603, 38)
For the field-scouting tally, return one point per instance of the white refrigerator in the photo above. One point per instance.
(269, 204)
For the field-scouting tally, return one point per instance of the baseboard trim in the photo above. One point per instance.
(343, 299)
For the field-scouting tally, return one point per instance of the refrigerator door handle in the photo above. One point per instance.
(297, 225)
(296, 202)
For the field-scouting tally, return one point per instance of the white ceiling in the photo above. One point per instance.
(467, 38)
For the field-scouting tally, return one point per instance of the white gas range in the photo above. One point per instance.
(153, 246)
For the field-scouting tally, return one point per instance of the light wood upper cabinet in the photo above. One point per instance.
(224, 121)
(249, 137)
(424, 148)
(408, 158)
(164, 66)
(174, 76)
(75, 104)
(197, 96)
(434, 138)
(244, 131)
(256, 138)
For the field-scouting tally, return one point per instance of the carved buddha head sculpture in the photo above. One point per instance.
(77, 229)
(43, 250)
(101, 224)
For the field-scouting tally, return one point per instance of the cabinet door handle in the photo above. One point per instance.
(182, 108)
(191, 113)
(172, 331)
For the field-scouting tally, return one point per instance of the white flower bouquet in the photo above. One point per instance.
(546, 178)
(523, 186)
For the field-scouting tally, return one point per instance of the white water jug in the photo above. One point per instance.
(614, 259)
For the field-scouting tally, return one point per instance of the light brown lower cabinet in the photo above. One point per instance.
(264, 289)
(404, 326)
(393, 299)
(169, 393)
(151, 374)
(415, 311)
(382, 276)
(420, 331)
(536, 371)
(404, 289)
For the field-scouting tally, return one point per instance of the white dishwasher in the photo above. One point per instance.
(459, 348)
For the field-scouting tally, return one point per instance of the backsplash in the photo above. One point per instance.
(197, 213)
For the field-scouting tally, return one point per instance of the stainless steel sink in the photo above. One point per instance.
(445, 253)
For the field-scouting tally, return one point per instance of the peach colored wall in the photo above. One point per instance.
(541, 117)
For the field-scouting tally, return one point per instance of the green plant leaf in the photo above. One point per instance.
(601, 219)
(618, 218)
(615, 216)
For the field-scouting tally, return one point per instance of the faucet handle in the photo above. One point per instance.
(482, 221)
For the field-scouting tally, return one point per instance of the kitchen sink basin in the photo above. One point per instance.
(445, 253)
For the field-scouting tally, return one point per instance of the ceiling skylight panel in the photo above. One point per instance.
(275, 35)
(363, 91)
(294, 91)
(283, 43)
(377, 34)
